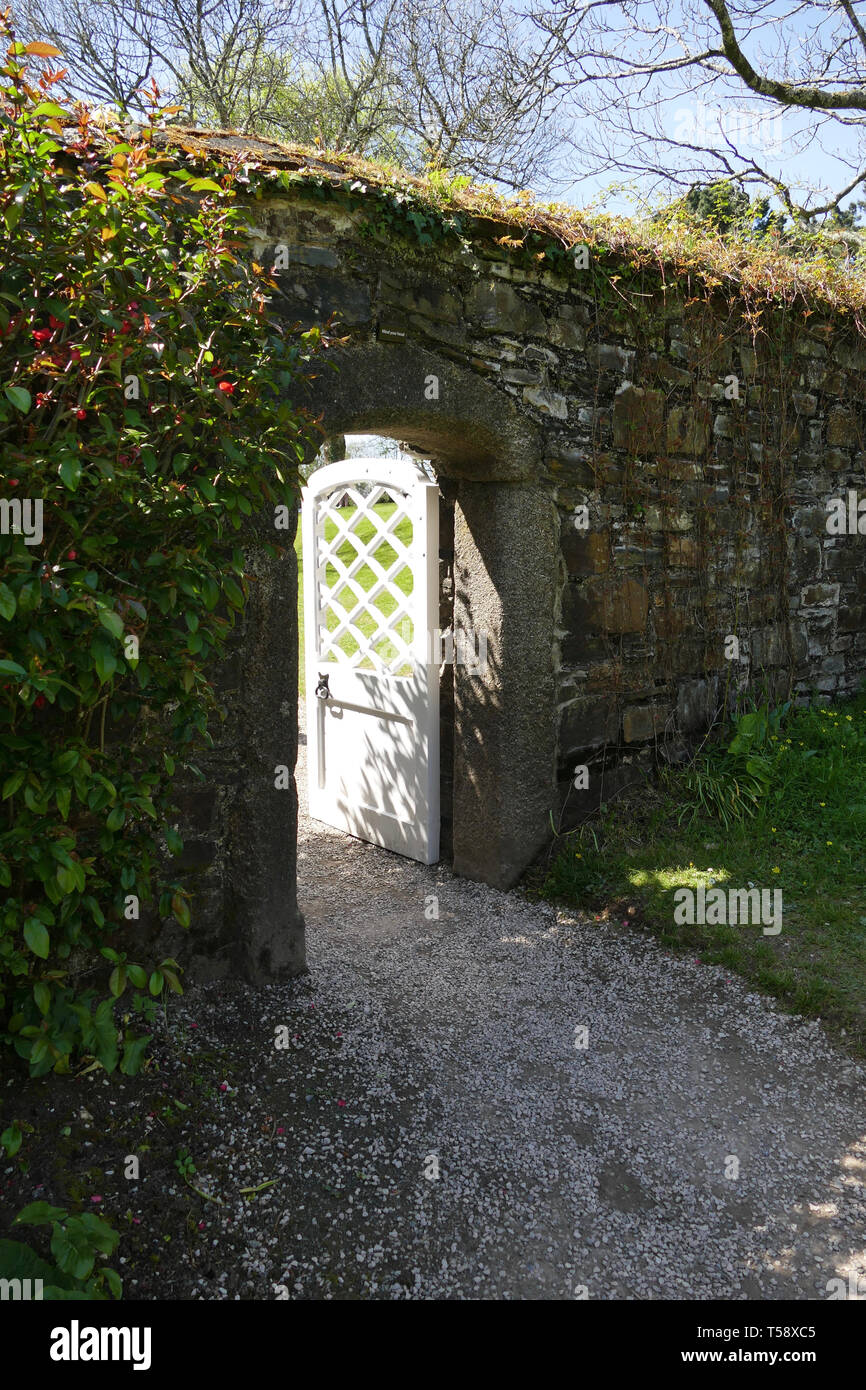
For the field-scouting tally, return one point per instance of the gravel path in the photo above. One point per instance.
(425, 1044)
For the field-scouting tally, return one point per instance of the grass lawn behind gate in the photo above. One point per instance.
(806, 836)
(365, 579)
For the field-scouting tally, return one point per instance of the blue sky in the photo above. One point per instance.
(792, 144)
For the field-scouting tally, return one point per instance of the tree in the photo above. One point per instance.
(452, 82)
(701, 90)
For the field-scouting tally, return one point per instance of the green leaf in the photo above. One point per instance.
(113, 1280)
(18, 1261)
(155, 983)
(37, 938)
(233, 593)
(66, 878)
(42, 995)
(210, 593)
(105, 1035)
(7, 603)
(104, 661)
(65, 762)
(115, 818)
(20, 398)
(70, 473)
(39, 1214)
(11, 1139)
(11, 785)
(11, 668)
(72, 1249)
(117, 980)
(102, 1236)
(133, 1055)
(180, 909)
(112, 622)
(137, 976)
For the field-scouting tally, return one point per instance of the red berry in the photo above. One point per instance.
(81, 414)
(39, 701)
(227, 387)
(42, 334)
(72, 555)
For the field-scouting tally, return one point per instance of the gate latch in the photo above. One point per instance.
(323, 689)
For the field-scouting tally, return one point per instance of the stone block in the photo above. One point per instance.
(642, 722)
(613, 605)
(587, 724)
(688, 430)
(683, 551)
(696, 704)
(820, 596)
(497, 307)
(638, 420)
(585, 552)
(842, 430)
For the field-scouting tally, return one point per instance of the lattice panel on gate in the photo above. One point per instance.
(364, 579)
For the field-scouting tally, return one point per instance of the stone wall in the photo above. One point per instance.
(635, 487)
(703, 456)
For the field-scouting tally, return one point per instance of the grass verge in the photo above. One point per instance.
(804, 834)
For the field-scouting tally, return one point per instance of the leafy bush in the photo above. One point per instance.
(76, 1242)
(728, 782)
(144, 406)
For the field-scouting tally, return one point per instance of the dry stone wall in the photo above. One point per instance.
(692, 456)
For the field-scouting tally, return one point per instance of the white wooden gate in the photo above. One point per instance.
(371, 610)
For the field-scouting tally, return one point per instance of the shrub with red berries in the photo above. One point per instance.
(127, 600)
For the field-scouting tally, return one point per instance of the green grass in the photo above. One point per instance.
(365, 579)
(804, 834)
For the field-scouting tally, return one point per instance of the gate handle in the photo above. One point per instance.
(322, 689)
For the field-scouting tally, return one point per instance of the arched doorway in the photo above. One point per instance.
(506, 578)
(487, 460)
